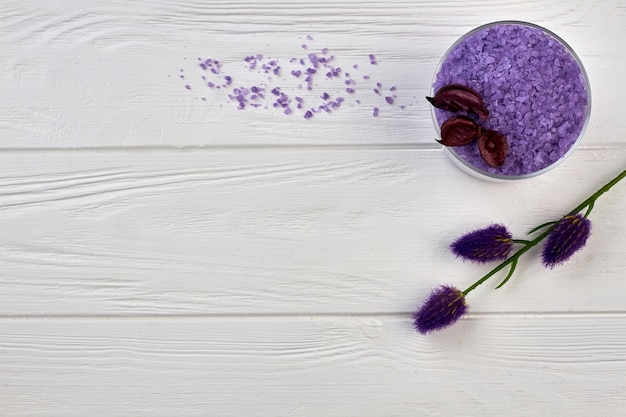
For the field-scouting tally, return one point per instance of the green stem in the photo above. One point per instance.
(598, 193)
(589, 201)
(522, 241)
(509, 275)
(541, 226)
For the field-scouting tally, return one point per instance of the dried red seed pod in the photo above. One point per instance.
(493, 147)
(455, 97)
(459, 131)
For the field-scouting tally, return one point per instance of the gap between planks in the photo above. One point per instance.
(295, 316)
(266, 147)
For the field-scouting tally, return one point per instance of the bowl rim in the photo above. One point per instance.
(481, 172)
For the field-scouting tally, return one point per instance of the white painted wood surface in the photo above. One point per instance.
(162, 255)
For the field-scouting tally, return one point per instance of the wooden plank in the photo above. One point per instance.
(105, 74)
(280, 232)
(333, 366)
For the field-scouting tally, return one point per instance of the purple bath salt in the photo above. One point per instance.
(533, 86)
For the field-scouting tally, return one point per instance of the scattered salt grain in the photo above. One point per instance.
(312, 68)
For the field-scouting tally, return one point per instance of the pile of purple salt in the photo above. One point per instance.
(311, 83)
(533, 87)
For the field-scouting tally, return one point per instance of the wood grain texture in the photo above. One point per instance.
(295, 231)
(161, 255)
(105, 74)
(343, 366)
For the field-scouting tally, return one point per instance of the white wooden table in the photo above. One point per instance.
(164, 255)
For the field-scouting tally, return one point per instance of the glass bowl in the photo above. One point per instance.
(535, 88)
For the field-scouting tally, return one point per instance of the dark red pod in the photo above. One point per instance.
(493, 147)
(459, 131)
(456, 97)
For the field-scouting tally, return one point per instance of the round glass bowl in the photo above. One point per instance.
(535, 88)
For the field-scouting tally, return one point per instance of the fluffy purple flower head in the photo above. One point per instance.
(444, 306)
(568, 236)
(484, 245)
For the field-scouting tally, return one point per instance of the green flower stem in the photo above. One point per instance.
(513, 259)
(591, 200)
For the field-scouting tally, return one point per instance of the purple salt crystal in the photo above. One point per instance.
(228, 79)
(309, 37)
(324, 51)
(379, 85)
(329, 74)
(347, 74)
(210, 84)
(296, 73)
(304, 46)
(259, 57)
(298, 99)
(389, 100)
(254, 89)
(276, 91)
(308, 114)
(377, 91)
(350, 90)
(325, 96)
(366, 77)
(372, 59)
(355, 66)
(311, 70)
(358, 101)
(392, 88)
(375, 112)
(203, 65)
(188, 87)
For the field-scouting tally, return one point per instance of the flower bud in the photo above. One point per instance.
(568, 236)
(492, 243)
(444, 306)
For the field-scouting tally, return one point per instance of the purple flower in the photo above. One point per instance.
(568, 236)
(484, 245)
(444, 307)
